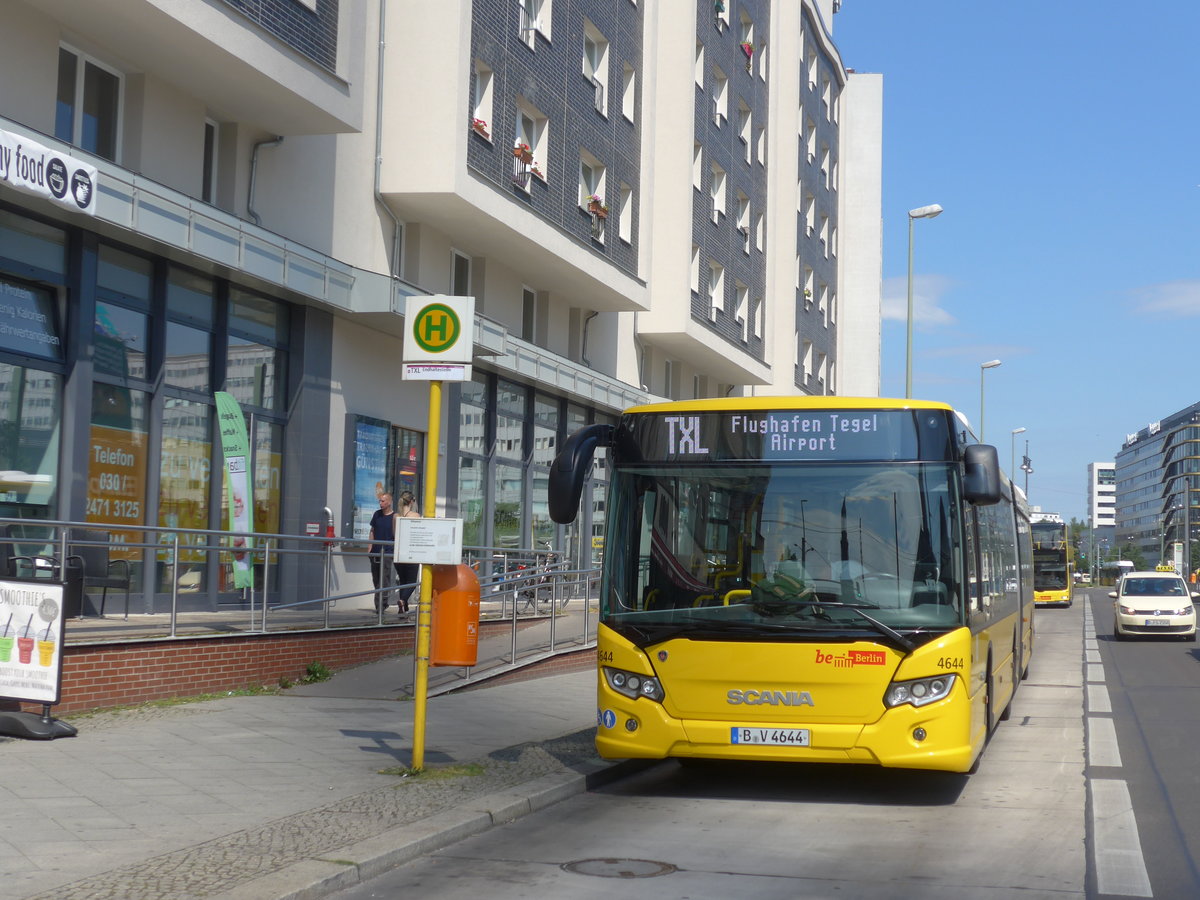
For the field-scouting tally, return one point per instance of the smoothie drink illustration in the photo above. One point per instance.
(6, 641)
(25, 645)
(45, 648)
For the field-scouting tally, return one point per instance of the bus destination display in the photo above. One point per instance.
(785, 435)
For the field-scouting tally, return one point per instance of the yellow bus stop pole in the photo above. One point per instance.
(425, 603)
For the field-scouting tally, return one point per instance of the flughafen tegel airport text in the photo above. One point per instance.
(783, 433)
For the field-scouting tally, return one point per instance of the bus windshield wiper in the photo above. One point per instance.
(905, 644)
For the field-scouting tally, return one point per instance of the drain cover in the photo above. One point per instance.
(619, 868)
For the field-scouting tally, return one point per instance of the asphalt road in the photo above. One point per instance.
(1153, 689)
(1017, 828)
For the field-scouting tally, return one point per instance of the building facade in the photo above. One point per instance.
(1157, 475)
(646, 200)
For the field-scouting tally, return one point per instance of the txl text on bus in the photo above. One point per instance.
(818, 579)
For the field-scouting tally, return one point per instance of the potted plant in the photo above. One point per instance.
(748, 49)
(595, 205)
(538, 172)
(807, 293)
(523, 152)
(481, 127)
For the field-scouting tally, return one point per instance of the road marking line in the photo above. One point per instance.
(1095, 672)
(1092, 656)
(1120, 868)
(1098, 700)
(1102, 749)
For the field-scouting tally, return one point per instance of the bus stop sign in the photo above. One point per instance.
(438, 337)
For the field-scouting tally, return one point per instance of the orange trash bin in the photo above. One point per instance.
(454, 636)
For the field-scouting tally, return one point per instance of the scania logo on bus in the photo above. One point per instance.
(750, 697)
(851, 659)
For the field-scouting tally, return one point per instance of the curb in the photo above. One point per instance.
(356, 863)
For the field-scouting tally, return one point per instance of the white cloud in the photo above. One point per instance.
(928, 291)
(1172, 298)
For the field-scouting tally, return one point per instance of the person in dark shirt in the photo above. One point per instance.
(382, 537)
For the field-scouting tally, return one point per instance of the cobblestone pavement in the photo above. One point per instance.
(216, 866)
(283, 794)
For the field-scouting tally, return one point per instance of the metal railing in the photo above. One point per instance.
(182, 582)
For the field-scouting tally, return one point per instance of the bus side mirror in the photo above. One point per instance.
(981, 480)
(571, 468)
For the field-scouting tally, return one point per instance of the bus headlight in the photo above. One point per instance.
(633, 684)
(919, 692)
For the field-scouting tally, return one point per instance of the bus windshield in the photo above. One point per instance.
(810, 548)
(1049, 556)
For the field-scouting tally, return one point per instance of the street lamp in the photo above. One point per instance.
(1012, 462)
(921, 212)
(990, 364)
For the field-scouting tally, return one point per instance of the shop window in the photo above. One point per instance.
(117, 464)
(31, 247)
(119, 341)
(185, 470)
(255, 369)
(30, 413)
(28, 322)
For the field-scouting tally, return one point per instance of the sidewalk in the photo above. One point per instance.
(269, 796)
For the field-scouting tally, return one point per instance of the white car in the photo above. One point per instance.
(1150, 603)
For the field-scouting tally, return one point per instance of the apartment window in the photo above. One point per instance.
(833, 241)
(720, 96)
(810, 138)
(208, 181)
(481, 95)
(717, 192)
(535, 19)
(822, 364)
(833, 307)
(826, 96)
(812, 70)
(808, 287)
(628, 91)
(745, 127)
(761, 53)
(699, 386)
(743, 220)
(460, 274)
(87, 113)
(825, 235)
(695, 269)
(758, 232)
(595, 65)
(699, 66)
(742, 296)
(716, 289)
(823, 304)
(810, 214)
(760, 145)
(806, 359)
(758, 318)
(697, 166)
(591, 179)
(825, 165)
(531, 128)
(625, 214)
(670, 378)
(535, 316)
(721, 19)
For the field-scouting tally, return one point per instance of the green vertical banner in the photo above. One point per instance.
(235, 445)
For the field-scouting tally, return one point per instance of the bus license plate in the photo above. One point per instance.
(776, 737)
(1150, 622)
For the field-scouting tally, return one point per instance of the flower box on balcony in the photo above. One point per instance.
(597, 208)
(523, 153)
(480, 127)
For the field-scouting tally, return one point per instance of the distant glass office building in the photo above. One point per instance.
(1158, 488)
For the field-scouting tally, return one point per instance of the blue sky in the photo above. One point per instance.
(1062, 141)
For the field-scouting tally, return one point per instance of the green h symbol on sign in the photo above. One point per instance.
(436, 328)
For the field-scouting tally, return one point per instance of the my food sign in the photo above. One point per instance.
(438, 337)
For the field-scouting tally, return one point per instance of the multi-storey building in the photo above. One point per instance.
(670, 199)
(1157, 475)
(1102, 507)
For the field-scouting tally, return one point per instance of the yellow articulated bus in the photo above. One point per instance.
(1052, 569)
(815, 579)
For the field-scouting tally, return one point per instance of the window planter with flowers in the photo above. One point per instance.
(523, 152)
(748, 50)
(537, 171)
(480, 127)
(595, 205)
